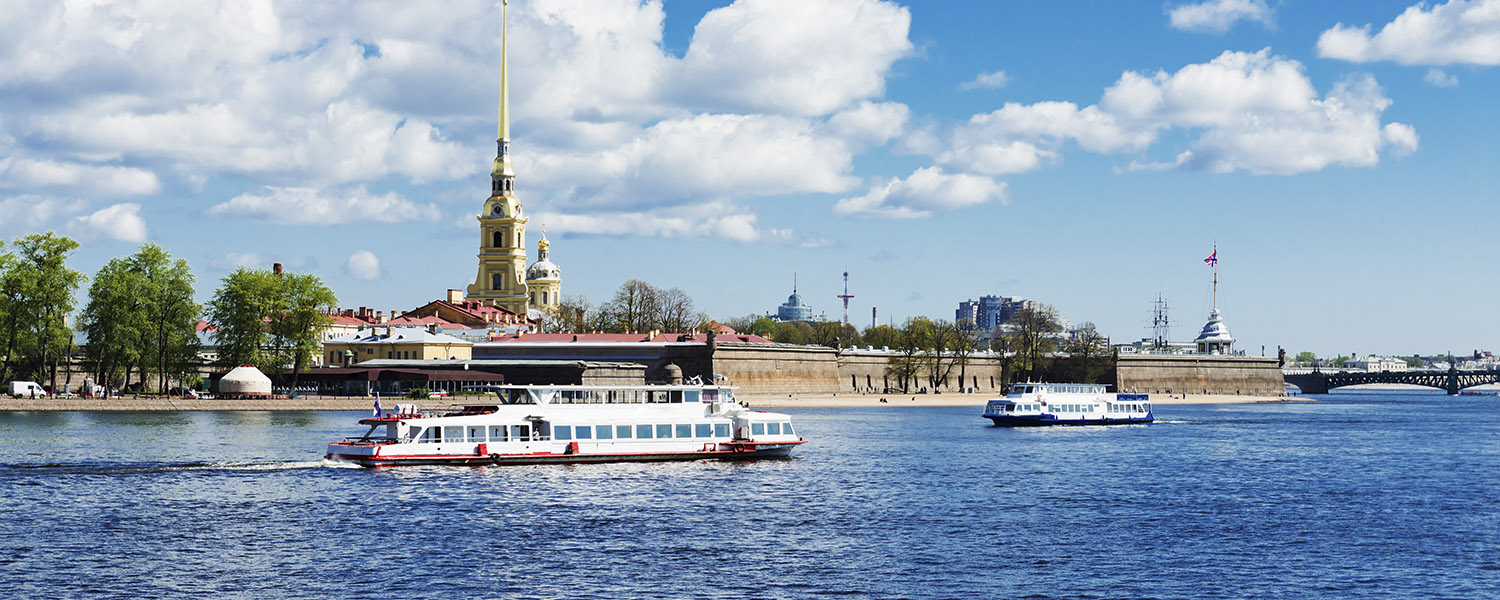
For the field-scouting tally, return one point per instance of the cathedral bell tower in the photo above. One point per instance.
(502, 228)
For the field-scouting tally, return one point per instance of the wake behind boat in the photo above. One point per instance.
(538, 424)
(1029, 404)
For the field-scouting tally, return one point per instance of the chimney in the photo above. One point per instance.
(380, 316)
(455, 296)
(363, 312)
(276, 268)
(432, 328)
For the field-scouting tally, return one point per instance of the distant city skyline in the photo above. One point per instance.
(1086, 156)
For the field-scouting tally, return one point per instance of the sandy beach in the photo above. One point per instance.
(340, 403)
(837, 400)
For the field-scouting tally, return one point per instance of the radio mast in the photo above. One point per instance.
(846, 296)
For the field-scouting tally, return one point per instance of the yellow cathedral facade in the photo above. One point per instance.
(504, 279)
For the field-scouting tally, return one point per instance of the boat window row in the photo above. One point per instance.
(1073, 408)
(1059, 388)
(771, 429)
(640, 431)
(477, 433)
(1129, 408)
(596, 396)
(1022, 407)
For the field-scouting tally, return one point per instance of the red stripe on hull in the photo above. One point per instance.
(742, 452)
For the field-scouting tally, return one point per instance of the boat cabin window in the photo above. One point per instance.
(454, 433)
(583, 432)
(643, 431)
(786, 429)
(476, 433)
(773, 428)
(622, 431)
(429, 435)
(703, 430)
(520, 432)
(690, 396)
(497, 433)
(757, 429)
(684, 431)
(663, 431)
(722, 429)
(562, 432)
(604, 432)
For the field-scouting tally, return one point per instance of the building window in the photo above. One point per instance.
(497, 240)
(533, 297)
(497, 280)
(544, 297)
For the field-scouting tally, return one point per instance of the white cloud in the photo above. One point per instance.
(702, 157)
(799, 58)
(233, 260)
(710, 221)
(315, 206)
(1440, 78)
(1457, 32)
(30, 174)
(35, 214)
(924, 192)
(1250, 111)
(363, 264)
(988, 81)
(1217, 16)
(120, 222)
(870, 123)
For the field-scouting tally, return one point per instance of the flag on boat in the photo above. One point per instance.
(377, 406)
(1213, 259)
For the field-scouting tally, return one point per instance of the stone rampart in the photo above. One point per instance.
(863, 371)
(1199, 374)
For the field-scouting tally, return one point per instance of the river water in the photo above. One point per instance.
(1354, 496)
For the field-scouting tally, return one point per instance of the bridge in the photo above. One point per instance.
(1451, 380)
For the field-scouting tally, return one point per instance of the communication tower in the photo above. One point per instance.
(846, 296)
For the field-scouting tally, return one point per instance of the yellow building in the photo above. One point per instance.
(501, 279)
(405, 343)
(544, 278)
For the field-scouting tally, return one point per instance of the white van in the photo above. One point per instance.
(27, 389)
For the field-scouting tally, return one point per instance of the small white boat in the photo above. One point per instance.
(1029, 404)
(539, 424)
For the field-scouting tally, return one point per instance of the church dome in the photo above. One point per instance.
(543, 269)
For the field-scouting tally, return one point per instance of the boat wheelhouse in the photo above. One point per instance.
(1067, 404)
(539, 424)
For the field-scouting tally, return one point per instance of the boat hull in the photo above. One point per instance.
(1046, 420)
(731, 451)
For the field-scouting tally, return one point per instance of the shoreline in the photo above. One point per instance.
(956, 399)
(365, 403)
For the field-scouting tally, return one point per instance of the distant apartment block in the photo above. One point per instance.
(991, 312)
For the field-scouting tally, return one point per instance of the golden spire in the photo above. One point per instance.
(504, 132)
(502, 165)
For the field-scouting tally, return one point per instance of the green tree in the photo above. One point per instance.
(171, 315)
(268, 319)
(38, 289)
(113, 321)
(910, 344)
(1031, 335)
(297, 324)
(763, 326)
(966, 341)
(1306, 357)
(1088, 351)
(879, 336)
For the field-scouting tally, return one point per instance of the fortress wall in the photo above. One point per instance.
(864, 372)
(1199, 374)
(763, 369)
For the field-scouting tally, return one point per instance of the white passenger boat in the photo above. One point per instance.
(531, 424)
(1067, 404)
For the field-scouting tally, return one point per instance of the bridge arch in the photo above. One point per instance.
(1450, 381)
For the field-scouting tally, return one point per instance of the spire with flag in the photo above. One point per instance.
(1213, 259)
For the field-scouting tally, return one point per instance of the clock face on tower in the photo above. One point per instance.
(498, 210)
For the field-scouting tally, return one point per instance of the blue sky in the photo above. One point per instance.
(1087, 155)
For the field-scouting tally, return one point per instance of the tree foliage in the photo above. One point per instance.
(1089, 353)
(141, 317)
(269, 320)
(638, 307)
(1031, 336)
(36, 295)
